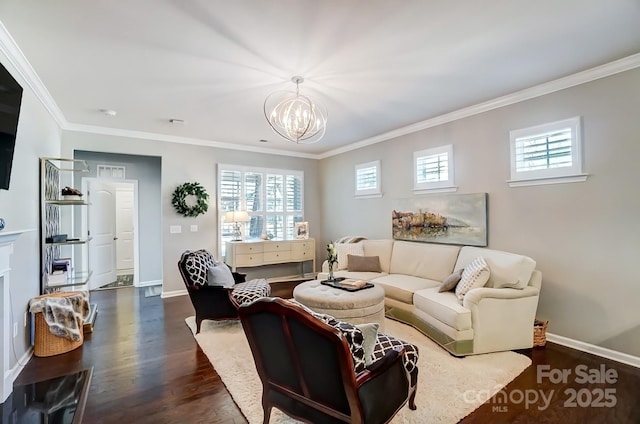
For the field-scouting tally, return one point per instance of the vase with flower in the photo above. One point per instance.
(332, 259)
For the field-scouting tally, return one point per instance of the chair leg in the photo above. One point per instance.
(266, 407)
(412, 398)
(198, 323)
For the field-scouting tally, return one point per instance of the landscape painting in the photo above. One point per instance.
(447, 218)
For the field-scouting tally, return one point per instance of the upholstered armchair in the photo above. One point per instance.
(216, 302)
(313, 367)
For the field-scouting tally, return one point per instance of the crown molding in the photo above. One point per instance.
(22, 66)
(602, 71)
(93, 129)
(20, 63)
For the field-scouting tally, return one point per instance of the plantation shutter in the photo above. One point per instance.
(366, 178)
(432, 168)
(230, 190)
(544, 151)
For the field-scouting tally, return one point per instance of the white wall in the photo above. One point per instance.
(38, 135)
(182, 163)
(585, 236)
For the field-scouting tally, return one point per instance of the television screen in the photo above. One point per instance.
(10, 99)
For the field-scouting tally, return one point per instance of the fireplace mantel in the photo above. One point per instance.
(7, 238)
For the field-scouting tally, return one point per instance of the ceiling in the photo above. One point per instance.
(377, 65)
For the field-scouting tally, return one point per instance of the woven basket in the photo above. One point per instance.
(45, 342)
(540, 333)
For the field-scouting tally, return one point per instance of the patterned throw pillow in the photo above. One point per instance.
(475, 275)
(344, 249)
(197, 264)
(251, 290)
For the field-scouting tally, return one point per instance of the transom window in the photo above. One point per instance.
(368, 179)
(547, 153)
(273, 198)
(433, 169)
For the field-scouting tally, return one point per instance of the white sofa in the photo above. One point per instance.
(496, 317)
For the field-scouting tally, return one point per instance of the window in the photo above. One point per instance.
(110, 172)
(273, 198)
(547, 154)
(368, 180)
(433, 169)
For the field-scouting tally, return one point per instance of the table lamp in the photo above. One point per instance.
(236, 217)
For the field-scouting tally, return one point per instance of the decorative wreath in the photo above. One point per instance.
(179, 199)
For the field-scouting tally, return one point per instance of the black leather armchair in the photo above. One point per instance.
(307, 368)
(214, 302)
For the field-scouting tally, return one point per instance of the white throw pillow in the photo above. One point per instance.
(344, 249)
(370, 336)
(220, 275)
(475, 275)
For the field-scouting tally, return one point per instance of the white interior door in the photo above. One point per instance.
(124, 229)
(102, 229)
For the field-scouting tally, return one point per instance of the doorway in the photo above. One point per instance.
(113, 227)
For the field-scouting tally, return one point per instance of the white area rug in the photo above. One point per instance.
(449, 388)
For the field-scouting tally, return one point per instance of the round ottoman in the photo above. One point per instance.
(357, 307)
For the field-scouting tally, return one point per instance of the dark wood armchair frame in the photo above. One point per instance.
(211, 302)
(374, 395)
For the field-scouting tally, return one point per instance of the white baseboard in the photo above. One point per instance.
(149, 283)
(13, 373)
(174, 293)
(595, 350)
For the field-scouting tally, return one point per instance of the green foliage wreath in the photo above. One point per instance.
(179, 199)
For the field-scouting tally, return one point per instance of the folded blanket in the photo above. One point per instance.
(64, 314)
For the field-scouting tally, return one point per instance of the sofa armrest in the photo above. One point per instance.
(502, 319)
(474, 296)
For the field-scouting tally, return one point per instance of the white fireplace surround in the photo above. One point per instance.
(6, 249)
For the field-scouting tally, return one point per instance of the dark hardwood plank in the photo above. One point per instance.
(148, 368)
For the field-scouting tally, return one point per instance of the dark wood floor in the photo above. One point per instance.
(147, 368)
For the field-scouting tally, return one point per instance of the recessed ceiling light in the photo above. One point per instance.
(109, 112)
(262, 140)
(175, 121)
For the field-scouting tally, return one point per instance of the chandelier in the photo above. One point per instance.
(295, 116)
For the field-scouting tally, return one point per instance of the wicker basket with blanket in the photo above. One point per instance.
(59, 318)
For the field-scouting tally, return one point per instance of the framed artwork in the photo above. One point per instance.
(302, 230)
(448, 218)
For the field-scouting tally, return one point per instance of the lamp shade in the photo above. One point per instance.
(236, 216)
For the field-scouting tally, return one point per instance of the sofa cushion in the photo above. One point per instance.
(425, 260)
(451, 281)
(445, 307)
(345, 249)
(357, 263)
(402, 287)
(507, 269)
(475, 275)
(380, 248)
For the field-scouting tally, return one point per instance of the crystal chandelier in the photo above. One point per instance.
(295, 116)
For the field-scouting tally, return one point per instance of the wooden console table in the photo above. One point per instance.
(240, 254)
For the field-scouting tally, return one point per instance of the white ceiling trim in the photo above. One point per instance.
(9, 47)
(20, 63)
(612, 68)
(92, 129)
